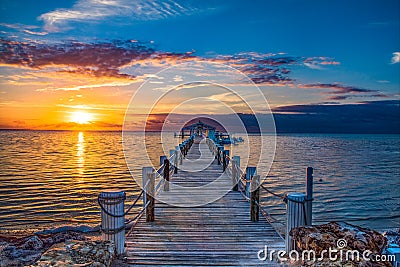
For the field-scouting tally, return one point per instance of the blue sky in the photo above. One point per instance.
(341, 52)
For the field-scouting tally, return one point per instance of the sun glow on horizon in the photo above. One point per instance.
(81, 117)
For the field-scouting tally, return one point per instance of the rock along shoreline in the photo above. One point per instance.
(63, 246)
(81, 246)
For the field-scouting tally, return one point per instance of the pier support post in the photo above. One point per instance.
(166, 175)
(235, 172)
(295, 216)
(145, 171)
(162, 158)
(181, 154)
(255, 199)
(250, 172)
(224, 160)
(176, 160)
(150, 197)
(218, 155)
(113, 218)
(309, 195)
(171, 153)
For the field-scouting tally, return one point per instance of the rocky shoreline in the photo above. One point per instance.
(64, 246)
(344, 238)
(78, 253)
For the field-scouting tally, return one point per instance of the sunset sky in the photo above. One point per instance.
(76, 64)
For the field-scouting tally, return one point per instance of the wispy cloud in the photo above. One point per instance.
(337, 87)
(396, 58)
(97, 10)
(35, 33)
(25, 30)
(17, 26)
(342, 92)
(317, 63)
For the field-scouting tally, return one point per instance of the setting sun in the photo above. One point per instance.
(81, 117)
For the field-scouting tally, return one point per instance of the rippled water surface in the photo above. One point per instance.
(53, 178)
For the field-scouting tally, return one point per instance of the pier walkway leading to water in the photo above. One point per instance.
(200, 221)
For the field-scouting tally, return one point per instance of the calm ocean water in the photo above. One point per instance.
(51, 178)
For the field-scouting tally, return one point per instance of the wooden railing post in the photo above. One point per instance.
(113, 228)
(181, 154)
(295, 216)
(150, 197)
(250, 172)
(309, 195)
(255, 198)
(166, 175)
(227, 154)
(224, 160)
(235, 172)
(221, 151)
(218, 155)
(162, 158)
(145, 171)
(176, 160)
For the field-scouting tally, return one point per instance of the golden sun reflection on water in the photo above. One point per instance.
(80, 154)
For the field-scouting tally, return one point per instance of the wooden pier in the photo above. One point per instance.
(217, 233)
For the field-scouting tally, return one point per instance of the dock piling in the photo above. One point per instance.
(235, 172)
(150, 197)
(181, 154)
(255, 199)
(309, 195)
(224, 160)
(166, 175)
(250, 172)
(113, 218)
(162, 158)
(145, 171)
(295, 216)
(176, 160)
(218, 155)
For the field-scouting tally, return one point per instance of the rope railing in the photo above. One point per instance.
(158, 175)
(284, 198)
(240, 179)
(123, 214)
(137, 215)
(135, 220)
(298, 205)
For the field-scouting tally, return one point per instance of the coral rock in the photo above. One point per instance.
(326, 236)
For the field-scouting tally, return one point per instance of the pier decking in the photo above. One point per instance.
(186, 233)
